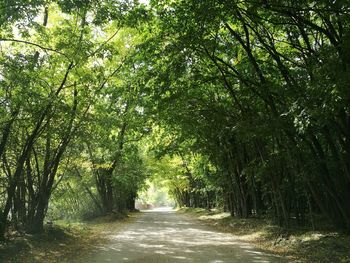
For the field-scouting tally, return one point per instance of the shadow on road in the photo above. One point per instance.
(162, 235)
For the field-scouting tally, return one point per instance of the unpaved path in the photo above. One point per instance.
(166, 236)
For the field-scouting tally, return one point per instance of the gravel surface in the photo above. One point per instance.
(163, 235)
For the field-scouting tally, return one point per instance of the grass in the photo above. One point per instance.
(62, 242)
(299, 245)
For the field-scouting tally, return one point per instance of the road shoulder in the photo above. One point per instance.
(62, 241)
(298, 245)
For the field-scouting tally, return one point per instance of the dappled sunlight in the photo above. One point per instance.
(161, 235)
(163, 209)
(216, 216)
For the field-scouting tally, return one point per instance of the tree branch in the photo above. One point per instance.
(34, 44)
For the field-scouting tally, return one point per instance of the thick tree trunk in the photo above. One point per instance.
(36, 225)
(131, 202)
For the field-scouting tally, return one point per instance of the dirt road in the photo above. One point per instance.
(166, 236)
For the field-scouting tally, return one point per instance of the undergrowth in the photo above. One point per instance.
(297, 244)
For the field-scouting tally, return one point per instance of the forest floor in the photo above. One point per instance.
(175, 235)
(299, 245)
(155, 236)
(62, 242)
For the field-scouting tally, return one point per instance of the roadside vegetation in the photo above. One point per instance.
(297, 244)
(63, 241)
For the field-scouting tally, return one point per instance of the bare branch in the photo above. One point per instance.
(34, 44)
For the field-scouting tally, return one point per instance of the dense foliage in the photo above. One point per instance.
(239, 104)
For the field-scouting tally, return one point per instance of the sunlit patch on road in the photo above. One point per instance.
(161, 235)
